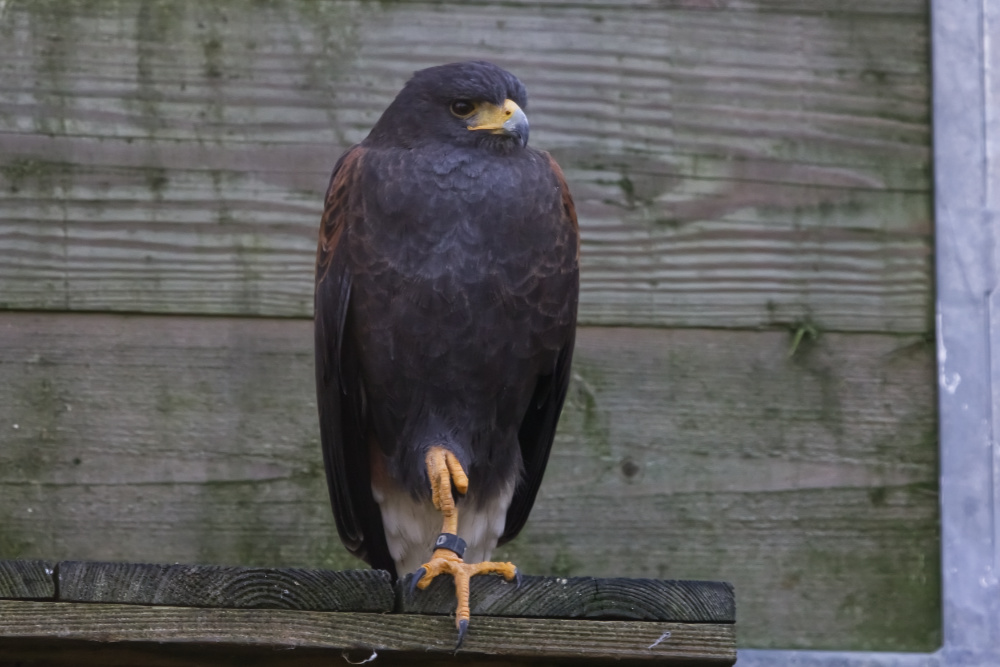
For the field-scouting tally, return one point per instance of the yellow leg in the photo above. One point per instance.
(443, 469)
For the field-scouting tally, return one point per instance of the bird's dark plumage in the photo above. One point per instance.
(446, 298)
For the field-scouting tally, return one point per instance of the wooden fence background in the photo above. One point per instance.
(754, 394)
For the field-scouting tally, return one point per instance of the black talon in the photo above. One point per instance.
(417, 576)
(463, 627)
(517, 578)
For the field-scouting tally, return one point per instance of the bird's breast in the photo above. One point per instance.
(427, 216)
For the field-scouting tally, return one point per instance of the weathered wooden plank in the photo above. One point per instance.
(26, 579)
(333, 633)
(226, 586)
(809, 480)
(889, 7)
(734, 164)
(578, 597)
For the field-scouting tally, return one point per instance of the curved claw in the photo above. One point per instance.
(463, 627)
(417, 576)
(517, 578)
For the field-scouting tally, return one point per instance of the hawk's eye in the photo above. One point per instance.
(462, 108)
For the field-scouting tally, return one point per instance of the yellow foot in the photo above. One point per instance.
(446, 561)
(442, 468)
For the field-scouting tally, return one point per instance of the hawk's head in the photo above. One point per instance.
(462, 104)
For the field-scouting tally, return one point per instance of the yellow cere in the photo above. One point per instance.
(491, 117)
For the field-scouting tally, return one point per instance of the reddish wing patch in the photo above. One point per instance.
(339, 391)
(569, 208)
(338, 208)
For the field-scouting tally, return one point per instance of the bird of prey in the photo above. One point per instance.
(446, 298)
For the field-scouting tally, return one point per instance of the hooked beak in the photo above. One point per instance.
(508, 119)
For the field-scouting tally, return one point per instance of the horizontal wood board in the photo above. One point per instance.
(27, 579)
(577, 597)
(368, 591)
(226, 586)
(735, 164)
(806, 479)
(332, 634)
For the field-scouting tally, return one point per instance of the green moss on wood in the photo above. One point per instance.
(212, 50)
(803, 331)
(14, 544)
(583, 406)
(904, 584)
(41, 175)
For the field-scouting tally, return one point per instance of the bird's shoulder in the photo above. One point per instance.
(341, 206)
(425, 205)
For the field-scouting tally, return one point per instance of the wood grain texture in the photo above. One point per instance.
(809, 480)
(26, 579)
(735, 164)
(230, 587)
(578, 597)
(75, 653)
(584, 642)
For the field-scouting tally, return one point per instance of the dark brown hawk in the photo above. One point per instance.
(446, 296)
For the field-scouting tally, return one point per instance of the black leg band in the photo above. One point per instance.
(451, 542)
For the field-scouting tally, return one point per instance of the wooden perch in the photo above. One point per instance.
(580, 597)
(217, 586)
(211, 615)
(27, 579)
